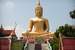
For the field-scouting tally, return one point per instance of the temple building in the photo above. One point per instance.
(4, 32)
(6, 38)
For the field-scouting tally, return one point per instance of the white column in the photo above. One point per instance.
(31, 46)
(44, 46)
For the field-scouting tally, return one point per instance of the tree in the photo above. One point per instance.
(65, 30)
(72, 14)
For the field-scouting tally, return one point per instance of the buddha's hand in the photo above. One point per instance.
(44, 32)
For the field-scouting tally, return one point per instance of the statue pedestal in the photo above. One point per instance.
(31, 36)
(36, 41)
(43, 46)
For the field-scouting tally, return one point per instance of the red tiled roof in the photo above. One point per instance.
(8, 32)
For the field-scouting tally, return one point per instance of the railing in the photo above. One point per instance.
(49, 46)
(26, 44)
(60, 42)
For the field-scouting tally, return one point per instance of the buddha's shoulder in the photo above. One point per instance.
(34, 19)
(45, 19)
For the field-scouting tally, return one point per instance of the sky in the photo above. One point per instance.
(18, 12)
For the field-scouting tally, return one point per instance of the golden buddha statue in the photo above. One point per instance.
(38, 26)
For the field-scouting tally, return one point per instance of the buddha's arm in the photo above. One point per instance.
(30, 25)
(47, 26)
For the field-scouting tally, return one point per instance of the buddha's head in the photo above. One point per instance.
(38, 10)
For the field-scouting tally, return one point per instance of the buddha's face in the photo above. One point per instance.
(38, 12)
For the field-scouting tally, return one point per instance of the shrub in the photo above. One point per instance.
(65, 30)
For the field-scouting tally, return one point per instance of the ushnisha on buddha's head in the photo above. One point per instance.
(38, 10)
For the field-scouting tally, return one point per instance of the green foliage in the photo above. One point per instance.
(65, 30)
(39, 40)
(72, 14)
(55, 43)
(17, 45)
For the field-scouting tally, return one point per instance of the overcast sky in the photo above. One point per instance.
(20, 11)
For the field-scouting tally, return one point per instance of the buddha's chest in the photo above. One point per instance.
(38, 22)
